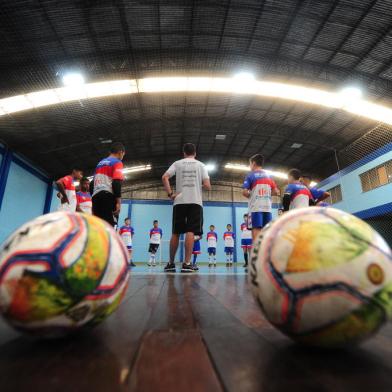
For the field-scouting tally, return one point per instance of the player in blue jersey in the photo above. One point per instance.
(296, 195)
(196, 251)
(155, 240)
(318, 194)
(258, 187)
(126, 233)
(212, 239)
(228, 238)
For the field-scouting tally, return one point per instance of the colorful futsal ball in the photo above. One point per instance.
(323, 277)
(61, 272)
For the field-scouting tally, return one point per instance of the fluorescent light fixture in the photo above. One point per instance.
(296, 145)
(245, 168)
(312, 184)
(73, 79)
(134, 169)
(210, 167)
(347, 99)
(220, 137)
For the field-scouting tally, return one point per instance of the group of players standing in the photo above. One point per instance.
(102, 197)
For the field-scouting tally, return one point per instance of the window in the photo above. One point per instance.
(376, 177)
(336, 195)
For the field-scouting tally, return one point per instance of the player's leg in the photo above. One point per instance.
(209, 258)
(178, 226)
(149, 263)
(154, 254)
(214, 257)
(257, 224)
(194, 225)
(227, 257)
(245, 250)
(103, 206)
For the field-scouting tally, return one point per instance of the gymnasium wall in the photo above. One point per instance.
(368, 204)
(24, 192)
(143, 212)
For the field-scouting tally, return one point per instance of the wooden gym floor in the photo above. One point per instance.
(199, 332)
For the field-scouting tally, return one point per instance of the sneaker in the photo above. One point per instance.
(245, 265)
(149, 264)
(187, 268)
(210, 265)
(195, 267)
(170, 267)
(132, 264)
(214, 264)
(227, 264)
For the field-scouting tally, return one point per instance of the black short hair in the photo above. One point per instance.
(84, 179)
(155, 221)
(308, 176)
(117, 147)
(128, 218)
(212, 226)
(77, 169)
(295, 173)
(246, 214)
(258, 159)
(229, 224)
(189, 149)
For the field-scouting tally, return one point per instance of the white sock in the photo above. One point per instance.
(228, 258)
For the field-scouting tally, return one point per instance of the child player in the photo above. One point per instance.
(212, 239)
(66, 187)
(246, 240)
(228, 238)
(155, 241)
(126, 232)
(196, 251)
(83, 197)
(259, 188)
(296, 195)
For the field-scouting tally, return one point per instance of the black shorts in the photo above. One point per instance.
(188, 218)
(153, 248)
(103, 206)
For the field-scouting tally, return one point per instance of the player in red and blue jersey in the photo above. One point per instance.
(106, 186)
(228, 238)
(318, 194)
(258, 188)
(212, 240)
(126, 233)
(67, 193)
(155, 240)
(83, 197)
(196, 251)
(296, 195)
(246, 239)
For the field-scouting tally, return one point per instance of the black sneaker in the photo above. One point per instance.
(187, 268)
(132, 264)
(170, 267)
(195, 267)
(245, 265)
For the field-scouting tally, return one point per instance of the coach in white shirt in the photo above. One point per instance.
(191, 177)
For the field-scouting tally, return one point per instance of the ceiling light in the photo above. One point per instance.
(210, 167)
(348, 99)
(240, 167)
(313, 184)
(296, 145)
(244, 76)
(134, 169)
(351, 93)
(73, 79)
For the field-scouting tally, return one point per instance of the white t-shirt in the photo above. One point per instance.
(190, 174)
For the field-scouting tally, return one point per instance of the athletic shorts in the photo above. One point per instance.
(153, 248)
(211, 251)
(188, 218)
(246, 243)
(103, 206)
(229, 250)
(260, 219)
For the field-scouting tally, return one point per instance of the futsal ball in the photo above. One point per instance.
(323, 277)
(60, 272)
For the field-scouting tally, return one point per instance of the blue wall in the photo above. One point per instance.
(363, 204)
(25, 192)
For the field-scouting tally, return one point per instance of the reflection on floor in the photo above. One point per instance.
(189, 332)
(220, 269)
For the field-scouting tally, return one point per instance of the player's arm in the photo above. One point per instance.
(91, 187)
(246, 187)
(274, 189)
(206, 179)
(287, 198)
(166, 181)
(118, 178)
(61, 188)
(78, 209)
(323, 196)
